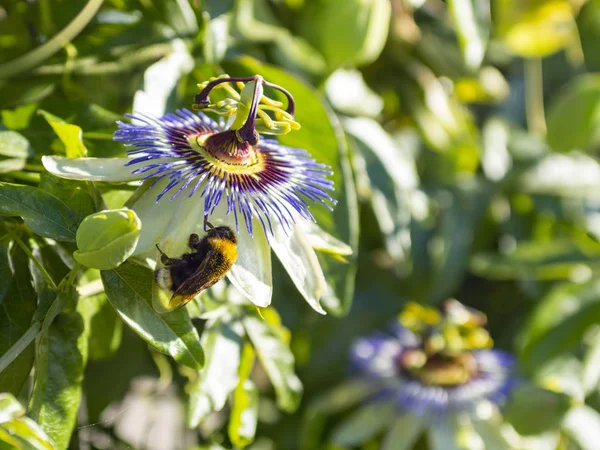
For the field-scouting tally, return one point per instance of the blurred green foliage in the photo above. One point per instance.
(464, 136)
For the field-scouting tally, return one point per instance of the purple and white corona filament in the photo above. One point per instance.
(437, 365)
(265, 180)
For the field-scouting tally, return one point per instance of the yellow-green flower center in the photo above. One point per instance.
(225, 151)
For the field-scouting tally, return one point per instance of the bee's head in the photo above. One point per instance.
(223, 232)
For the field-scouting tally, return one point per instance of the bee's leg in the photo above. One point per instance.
(206, 222)
(163, 257)
(194, 242)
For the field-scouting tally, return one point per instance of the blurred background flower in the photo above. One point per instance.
(435, 373)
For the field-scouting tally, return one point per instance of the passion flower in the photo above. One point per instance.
(436, 363)
(196, 169)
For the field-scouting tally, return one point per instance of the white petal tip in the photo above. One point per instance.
(91, 169)
(317, 306)
(256, 291)
(260, 304)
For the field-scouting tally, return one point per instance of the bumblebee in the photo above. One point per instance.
(208, 262)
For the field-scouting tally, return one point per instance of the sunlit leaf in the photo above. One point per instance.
(535, 28)
(220, 376)
(129, 289)
(17, 430)
(70, 135)
(277, 360)
(574, 116)
(244, 412)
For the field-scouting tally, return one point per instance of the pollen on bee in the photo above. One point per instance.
(163, 278)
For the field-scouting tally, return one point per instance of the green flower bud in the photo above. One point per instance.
(107, 238)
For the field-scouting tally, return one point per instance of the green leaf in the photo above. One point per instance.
(64, 301)
(471, 24)
(43, 212)
(59, 366)
(220, 376)
(14, 145)
(564, 337)
(364, 423)
(79, 196)
(16, 314)
(559, 322)
(277, 359)
(322, 136)
(341, 398)
(557, 305)
(70, 135)
(18, 431)
(25, 434)
(533, 410)
(244, 411)
(574, 116)
(129, 289)
(107, 238)
(556, 260)
(392, 175)
(106, 329)
(6, 272)
(347, 32)
(403, 433)
(255, 22)
(10, 408)
(590, 373)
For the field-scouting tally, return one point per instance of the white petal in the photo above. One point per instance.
(443, 435)
(251, 274)
(90, 169)
(323, 241)
(300, 260)
(155, 216)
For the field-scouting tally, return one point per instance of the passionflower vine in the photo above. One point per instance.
(436, 363)
(196, 169)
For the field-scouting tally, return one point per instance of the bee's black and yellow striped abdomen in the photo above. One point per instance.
(210, 259)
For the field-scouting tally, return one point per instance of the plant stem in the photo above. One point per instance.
(46, 50)
(20, 345)
(534, 96)
(27, 177)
